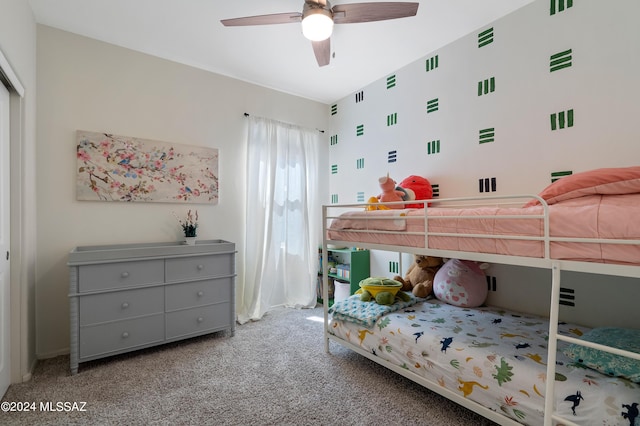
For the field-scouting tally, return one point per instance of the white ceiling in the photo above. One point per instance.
(274, 56)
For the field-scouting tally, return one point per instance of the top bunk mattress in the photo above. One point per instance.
(594, 228)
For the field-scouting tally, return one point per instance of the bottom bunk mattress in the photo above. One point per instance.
(492, 356)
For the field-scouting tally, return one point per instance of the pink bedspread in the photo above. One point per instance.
(593, 216)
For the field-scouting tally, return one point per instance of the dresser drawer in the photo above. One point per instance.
(120, 274)
(198, 320)
(198, 293)
(120, 305)
(188, 268)
(102, 339)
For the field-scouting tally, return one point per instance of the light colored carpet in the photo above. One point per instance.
(272, 372)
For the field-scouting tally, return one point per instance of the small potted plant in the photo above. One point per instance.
(189, 227)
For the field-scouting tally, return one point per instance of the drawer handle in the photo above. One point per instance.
(200, 267)
(124, 274)
(200, 293)
(200, 319)
(125, 305)
(125, 335)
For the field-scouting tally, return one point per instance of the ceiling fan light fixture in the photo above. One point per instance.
(317, 24)
(318, 18)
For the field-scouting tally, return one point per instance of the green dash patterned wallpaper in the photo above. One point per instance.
(547, 91)
(544, 92)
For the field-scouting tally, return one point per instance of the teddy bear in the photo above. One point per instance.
(419, 277)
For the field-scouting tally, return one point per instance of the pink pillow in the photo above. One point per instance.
(460, 283)
(609, 181)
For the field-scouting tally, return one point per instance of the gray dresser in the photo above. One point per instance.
(127, 297)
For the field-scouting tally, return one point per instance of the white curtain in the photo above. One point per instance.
(283, 218)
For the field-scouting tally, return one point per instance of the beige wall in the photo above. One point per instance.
(18, 44)
(90, 85)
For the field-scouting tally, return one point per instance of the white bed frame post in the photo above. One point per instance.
(325, 280)
(553, 343)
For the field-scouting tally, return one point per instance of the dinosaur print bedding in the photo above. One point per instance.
(497, 358)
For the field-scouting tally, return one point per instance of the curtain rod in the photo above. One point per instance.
(246, 114)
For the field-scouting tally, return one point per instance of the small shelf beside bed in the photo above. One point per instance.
(354, 267)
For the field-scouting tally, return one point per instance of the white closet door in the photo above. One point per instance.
(5, 282)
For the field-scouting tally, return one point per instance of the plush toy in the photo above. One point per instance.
(419, 277)
(390, 192)
(417, 188)
(461, 283)
(411, 188)
(381, 290)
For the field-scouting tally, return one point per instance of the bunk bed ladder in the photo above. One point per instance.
(554, 337)
(554, 315)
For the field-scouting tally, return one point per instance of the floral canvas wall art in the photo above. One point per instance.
(122, 168)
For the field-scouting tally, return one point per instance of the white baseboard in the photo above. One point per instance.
(53, 354)
(27, 376)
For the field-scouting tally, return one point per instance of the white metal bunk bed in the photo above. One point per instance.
(421, 244)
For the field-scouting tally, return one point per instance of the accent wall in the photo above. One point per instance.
(548, 90)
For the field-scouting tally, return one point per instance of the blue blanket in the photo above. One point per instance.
(366, 313)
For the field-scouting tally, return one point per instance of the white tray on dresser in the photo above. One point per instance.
(132, 296)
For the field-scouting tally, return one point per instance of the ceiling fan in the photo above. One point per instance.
(318, 16)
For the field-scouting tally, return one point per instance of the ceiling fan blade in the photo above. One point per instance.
(368, 12)
(322, 50)
(276, 18)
